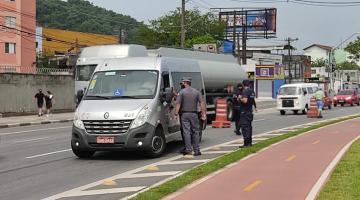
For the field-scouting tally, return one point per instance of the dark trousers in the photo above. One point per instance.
(191, 129)
(246, 127)
(237, 120)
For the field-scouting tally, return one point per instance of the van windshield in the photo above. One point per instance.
(137, 84)
(289, 91)
(84, 72)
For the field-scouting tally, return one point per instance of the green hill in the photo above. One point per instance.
(81, 15)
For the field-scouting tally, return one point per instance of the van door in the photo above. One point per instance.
(170, 122)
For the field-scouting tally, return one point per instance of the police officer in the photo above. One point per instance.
(252, 99)
(246, 114)
(236, 108)
(187, 101)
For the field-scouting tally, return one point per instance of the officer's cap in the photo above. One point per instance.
(246, 82)
(186, 79)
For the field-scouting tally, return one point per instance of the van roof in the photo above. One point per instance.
(113, 51)
(300, 85)
(150, 63)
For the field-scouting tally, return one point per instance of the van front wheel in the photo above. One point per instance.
(158, 144)
(282, 112)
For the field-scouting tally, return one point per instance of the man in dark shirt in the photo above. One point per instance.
(40, 101)
(246, 114)
(236, 108)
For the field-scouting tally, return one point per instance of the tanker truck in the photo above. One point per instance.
(130, 104)
(220, 73)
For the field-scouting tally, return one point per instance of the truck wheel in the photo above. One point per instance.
(82, 153)
(358, 103)
(295, 112)
(230, 111)
(158, 144)
(329, 107)
(282, 112)
(352, 104)
(335, 105)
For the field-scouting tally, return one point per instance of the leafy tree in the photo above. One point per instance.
(167, 29)
(320, 62)
(348, 65)
(354, 49)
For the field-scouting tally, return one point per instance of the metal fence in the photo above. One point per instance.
(34, 70)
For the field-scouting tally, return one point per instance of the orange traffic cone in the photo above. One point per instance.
(221, 115)
(313, 111)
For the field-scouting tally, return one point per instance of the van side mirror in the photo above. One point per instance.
(305, 93)
(167, 95)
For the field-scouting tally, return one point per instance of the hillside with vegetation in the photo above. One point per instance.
(83, 16)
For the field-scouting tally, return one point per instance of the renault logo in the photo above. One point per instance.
(106, 115)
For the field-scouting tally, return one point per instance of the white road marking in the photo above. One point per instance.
(216, 152)
(104, 191)
(316, 188)
(45, 129)
(230, 145)
(179, 162)
(31, 140)
(45, 154)
(259, 120)
(144, 175)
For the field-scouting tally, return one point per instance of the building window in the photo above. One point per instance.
(10, 22)
(10, 48)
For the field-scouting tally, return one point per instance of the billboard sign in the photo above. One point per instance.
(264, 72)
(253, 20)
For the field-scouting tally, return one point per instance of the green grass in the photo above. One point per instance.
(219, 163)
(344, 183)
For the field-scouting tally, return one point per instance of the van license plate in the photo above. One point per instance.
(105, 140)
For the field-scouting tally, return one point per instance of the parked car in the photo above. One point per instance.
(328, 101)
(349, 96)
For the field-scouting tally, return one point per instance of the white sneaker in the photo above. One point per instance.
(47, 115)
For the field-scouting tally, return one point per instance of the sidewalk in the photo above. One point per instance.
(292, 169)
(7, 122)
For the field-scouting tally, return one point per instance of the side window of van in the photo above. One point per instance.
(196, 80)
(165, 81)
(310, 90)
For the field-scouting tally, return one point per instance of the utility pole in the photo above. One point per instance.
(289, 40)
(182, 23)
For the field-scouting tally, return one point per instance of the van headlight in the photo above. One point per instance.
(296, 102)
(142, 117)
(348, 98)
(77, 122)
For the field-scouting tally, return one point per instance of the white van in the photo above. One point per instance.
(295, 97)
(129, 105)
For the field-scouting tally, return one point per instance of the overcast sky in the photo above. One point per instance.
(311, 24)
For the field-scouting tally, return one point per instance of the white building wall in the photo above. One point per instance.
(317, 53)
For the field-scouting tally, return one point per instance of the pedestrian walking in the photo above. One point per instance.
(48, 101)
(236, 107)
(246, 114)
(319, 96)
(187, 102)
(40, 102)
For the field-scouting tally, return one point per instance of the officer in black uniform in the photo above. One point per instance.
(188, 100)
(246, 114)
(236, 108)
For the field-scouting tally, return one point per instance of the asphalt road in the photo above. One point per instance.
(36, 161)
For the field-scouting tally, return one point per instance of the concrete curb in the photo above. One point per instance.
(34, 123)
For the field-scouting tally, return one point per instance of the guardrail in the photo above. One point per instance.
(34, 70)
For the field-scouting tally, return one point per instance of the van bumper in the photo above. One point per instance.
(122, 142)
